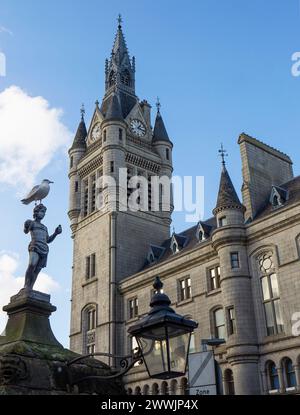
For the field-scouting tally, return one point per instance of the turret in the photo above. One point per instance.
(163, 146)
(229, 242)
(76, 152)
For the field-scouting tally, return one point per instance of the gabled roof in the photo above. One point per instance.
(227, 196)
(292, 187)
(188, 237)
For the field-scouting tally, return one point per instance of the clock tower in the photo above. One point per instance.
(110, 242)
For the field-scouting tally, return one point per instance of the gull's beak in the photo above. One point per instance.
(50, 182)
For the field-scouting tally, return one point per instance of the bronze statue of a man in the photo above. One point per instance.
(38, 247)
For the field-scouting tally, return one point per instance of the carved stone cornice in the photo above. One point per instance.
(90, 166)
(142, 162)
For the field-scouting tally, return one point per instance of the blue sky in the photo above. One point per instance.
(219, 68)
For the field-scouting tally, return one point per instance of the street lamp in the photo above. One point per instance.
(163, 337)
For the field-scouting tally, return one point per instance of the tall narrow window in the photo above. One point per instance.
(214, 278)
(219, 322)
(93, 195)
(229, 382)
(185, 289)
(76, 186)
(104, 136)
(289, 373)
(93, 265)
(231, 320)
(71, 161)
(112, 167)
(273, 375)
(149, 193)
(234, 259)
(86, 198)
(120, 134)
(89, 330)
(167, 154)
(270, 292)
(87, 267)
(133, 307)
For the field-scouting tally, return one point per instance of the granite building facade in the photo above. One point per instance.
(236, 273)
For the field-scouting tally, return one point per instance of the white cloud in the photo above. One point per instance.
(30, 133)
(10, 284)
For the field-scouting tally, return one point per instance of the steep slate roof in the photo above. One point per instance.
(160, 132)
(114, 111)
(80, 137)
(292, 187)
(127, 102)
(190, 236)
(227, 196)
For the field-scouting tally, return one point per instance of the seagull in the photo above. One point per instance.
(38, 192)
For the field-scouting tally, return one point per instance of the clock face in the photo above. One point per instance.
(96, 132)
(138, 128)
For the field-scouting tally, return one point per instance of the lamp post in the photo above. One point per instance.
(163, 337)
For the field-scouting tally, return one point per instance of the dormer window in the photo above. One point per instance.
(278, 196)
(175, 248)
(275, 201)
(200, 236)
(151, 258)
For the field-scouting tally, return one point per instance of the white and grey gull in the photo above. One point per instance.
(38, 192)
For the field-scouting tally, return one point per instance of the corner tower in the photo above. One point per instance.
(110, 242)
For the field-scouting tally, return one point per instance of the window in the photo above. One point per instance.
(270, 293)
(234, 260)
(231, 320)
(112, 167)
(104, 136)
(125, 78)
(90, 266)
(87, 267)
(219, 322)
(200, 236)
(167, 154)
(214, 278)
(222, 221)
(112, 78)
(120, 134)
(86, 198)
(175, 248)
(229, 382)
(133, 308)
(275, 202)
(273, 375)
(289, 373)
(192, 348)
(185, 289)
(93, 201)
(76, 186)
(134, 349)
(71, 162)
(89, 330)
(93, 265)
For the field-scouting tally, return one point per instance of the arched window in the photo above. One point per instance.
(146, 390)
(164, 388)
(175, 248)
(137, 391)
(270, 292)
(89, 323)
(219, 323)
(174, 387)
(155, 390)
(289, 373)
(112, 78)
(184, 386)
(129, 391)
(200, 236)
(229, 382)
(275, 201)
(125, 78)
(272, 375)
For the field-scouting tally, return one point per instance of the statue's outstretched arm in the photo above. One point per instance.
(27, 226)
(57, 231)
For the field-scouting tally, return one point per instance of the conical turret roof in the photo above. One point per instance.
(80, 136)
(227, 196)
(160, 132)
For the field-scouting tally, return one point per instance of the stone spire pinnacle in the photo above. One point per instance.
(160, 132)
(81, 134)
(227, 196)
(120, 69)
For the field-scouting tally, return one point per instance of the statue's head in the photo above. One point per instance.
(39, 211)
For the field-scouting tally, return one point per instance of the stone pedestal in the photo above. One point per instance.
(33, 362)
